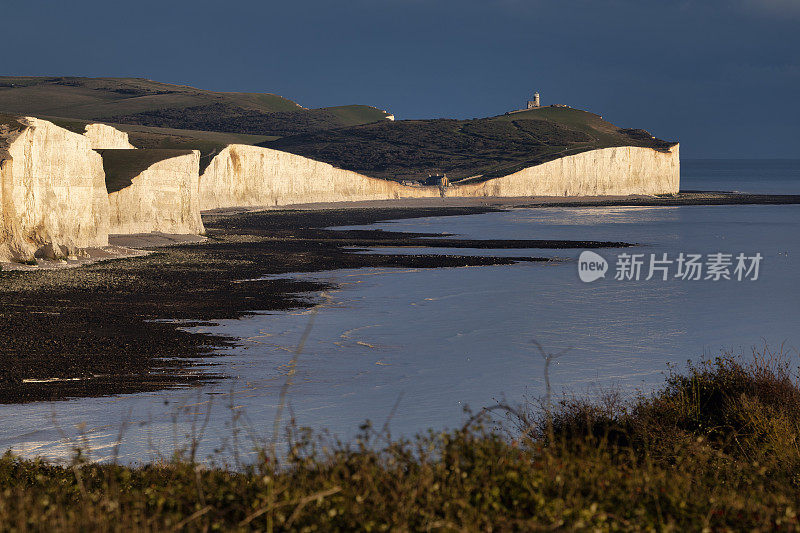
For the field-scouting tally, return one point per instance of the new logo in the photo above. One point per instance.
(591, 266)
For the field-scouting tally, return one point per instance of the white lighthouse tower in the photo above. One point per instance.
(535, 103)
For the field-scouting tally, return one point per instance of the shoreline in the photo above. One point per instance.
(123, 246)
(684, 198)
(114, 326)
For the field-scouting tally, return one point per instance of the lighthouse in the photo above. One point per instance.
(535, 103)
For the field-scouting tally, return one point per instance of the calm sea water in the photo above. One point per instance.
(431, 342)
(758, 176)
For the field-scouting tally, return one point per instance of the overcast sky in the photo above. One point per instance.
(721, 76)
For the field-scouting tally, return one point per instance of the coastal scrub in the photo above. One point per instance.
(716, 449)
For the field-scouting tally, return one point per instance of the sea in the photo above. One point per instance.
(416, 350)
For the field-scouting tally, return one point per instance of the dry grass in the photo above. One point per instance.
(716, 449)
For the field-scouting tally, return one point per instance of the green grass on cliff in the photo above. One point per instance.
(717, 449)
(599, 130)
(149, 103)
(222, 117)
(96, 98)
(354, 115)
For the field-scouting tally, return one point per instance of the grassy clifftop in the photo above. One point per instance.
(225, 117)
(95, 98)
(151, 103)
(477, 149)
(352, 137)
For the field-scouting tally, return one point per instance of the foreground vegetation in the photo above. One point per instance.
(716, 449)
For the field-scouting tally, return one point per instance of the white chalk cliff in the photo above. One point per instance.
(243, 175)
(54, 189)
(12, 246)
(618, 171)
(103, 136)
(163, 197)
(53, 195)
(53, 192)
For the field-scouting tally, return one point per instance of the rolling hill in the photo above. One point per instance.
(142, 102)
(356, 137)
(466, 150)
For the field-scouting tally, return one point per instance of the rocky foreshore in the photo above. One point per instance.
(106, 328)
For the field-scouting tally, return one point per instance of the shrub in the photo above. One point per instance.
(715, 450)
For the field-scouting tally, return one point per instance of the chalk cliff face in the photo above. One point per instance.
(53, 191)
(163, 197)
(57, 194)
(242, 175)
(105, 137)
(619, 171)
(11, 244)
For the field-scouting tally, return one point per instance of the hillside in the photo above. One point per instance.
(356, 137)
(477, 149)
(149, 103)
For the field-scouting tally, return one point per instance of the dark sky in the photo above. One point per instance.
(721, 76)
